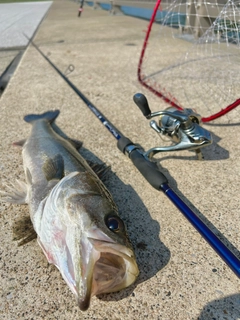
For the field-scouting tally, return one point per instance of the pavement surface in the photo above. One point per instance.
(19, 18)
(181, 277)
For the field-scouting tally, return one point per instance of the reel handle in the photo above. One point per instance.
(142, 103)
(181, 126)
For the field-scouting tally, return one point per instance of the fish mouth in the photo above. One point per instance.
(110, 267)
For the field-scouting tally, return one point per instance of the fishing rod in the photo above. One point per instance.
(80, 10)
(149, 169)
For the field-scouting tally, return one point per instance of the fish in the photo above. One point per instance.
(73, 213)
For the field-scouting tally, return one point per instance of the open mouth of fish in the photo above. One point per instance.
(105, 266)
(108, 268)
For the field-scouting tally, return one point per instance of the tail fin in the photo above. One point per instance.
(49, 116)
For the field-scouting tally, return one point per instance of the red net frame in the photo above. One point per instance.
(168, 98)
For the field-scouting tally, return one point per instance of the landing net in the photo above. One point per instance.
(190, 56)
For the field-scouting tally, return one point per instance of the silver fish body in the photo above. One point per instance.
(74, 215)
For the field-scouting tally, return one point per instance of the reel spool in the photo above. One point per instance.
(182, 127)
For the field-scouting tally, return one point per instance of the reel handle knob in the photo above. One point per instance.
(142, 103)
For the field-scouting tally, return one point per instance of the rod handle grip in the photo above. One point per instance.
(147, 168)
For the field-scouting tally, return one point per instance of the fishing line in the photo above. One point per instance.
(111, 128)
(152, 174)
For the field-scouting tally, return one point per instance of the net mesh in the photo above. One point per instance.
(191, 55)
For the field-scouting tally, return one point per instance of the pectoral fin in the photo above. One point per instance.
(54, 168)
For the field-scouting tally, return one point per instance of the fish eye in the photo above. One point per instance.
(114, 223)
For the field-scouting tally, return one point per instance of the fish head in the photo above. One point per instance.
(85, 238)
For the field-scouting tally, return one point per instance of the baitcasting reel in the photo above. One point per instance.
(181, 126)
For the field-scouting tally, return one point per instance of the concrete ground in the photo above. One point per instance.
(181, 277)
(19, 18)
(6, 56)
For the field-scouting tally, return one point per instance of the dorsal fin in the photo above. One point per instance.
(76, 143)
(101, 170)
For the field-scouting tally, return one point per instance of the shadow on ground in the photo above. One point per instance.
(144, 232)
(211, 227)
(227, 308)
(210, 153)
